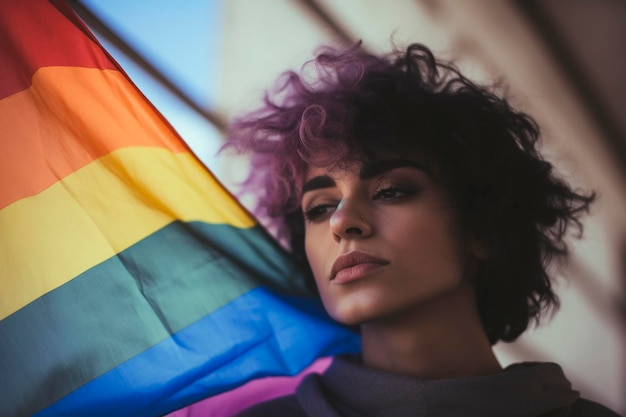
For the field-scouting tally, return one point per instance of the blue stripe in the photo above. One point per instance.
(130, 302)
(260, 333)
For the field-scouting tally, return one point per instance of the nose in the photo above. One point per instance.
(347, 222)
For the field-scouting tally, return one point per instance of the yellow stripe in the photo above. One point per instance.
(99, 211)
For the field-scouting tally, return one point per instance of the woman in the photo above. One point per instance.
(426, 216)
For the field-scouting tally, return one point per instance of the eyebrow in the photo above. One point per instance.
(368, 171)
(323, 181)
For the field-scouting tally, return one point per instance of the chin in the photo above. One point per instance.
(348, 319)
(351, 313)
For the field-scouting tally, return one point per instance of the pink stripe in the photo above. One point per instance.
(254, 392)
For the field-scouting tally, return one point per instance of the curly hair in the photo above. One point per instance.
(348, 104)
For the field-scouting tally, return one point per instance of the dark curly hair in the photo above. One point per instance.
(350, 104)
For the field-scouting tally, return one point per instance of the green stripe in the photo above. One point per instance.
(128, 303)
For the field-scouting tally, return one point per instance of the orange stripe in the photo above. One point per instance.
(69, 117)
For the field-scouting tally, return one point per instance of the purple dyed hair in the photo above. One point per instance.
(348, 105)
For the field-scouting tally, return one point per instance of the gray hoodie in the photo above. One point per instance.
(348, 389)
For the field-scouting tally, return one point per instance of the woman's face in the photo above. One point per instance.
(381, 238)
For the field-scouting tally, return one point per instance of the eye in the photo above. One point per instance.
(317, 212)
(390, 193)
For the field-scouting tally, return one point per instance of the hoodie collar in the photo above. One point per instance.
(349, 389)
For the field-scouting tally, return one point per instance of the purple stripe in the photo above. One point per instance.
(254, 392)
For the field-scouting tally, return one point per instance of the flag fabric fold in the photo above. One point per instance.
(131, 282)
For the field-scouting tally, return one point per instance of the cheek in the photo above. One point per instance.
(315, 251)
(433, 247)
(319, 258)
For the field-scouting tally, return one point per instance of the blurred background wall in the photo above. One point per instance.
(564, 62)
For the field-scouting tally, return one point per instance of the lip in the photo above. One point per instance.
(353, 266)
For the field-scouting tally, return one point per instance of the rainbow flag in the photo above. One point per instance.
(131, 282)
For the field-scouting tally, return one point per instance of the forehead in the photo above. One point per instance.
(366, 169)
(352, 168)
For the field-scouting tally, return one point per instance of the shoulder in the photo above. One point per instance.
(586, 408)
(287, 406)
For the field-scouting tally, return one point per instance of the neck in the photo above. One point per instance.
(442, 338)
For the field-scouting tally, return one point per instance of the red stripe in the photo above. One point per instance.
(27, 43)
